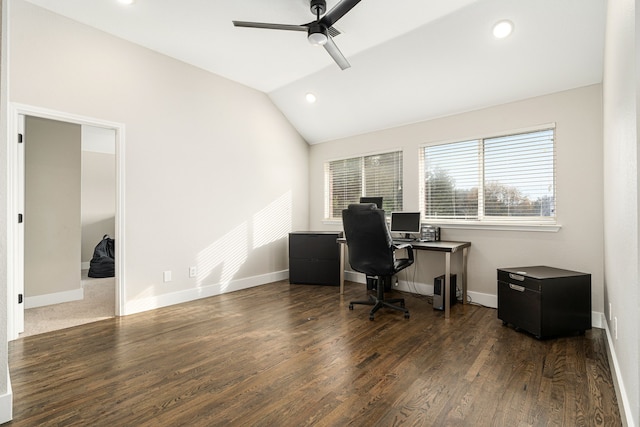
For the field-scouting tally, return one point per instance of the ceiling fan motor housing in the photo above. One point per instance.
(318, 7)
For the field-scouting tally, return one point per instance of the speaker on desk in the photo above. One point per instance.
(429, 233)
(438, 292)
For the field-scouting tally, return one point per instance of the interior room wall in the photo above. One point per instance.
(621, 287)
(578, 245)
(214, 175)
(98, 188)
(52, 208)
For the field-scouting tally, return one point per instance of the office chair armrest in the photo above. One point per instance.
(401, 245)
(406, 246)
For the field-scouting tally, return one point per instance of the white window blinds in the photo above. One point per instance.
(347, 180)
(519, 175)
(493, 179)
(451, 180)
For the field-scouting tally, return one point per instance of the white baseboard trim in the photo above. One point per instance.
(598, 320)
(55, 298)
(621, 393)
(204, 291)
(6, 402)
(487, 300)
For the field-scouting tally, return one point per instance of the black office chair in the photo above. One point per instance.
(372, 252)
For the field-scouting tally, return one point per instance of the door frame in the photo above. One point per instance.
(15, 243)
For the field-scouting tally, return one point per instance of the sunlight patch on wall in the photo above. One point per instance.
(228, 253)
(273, 222)
(219, 262)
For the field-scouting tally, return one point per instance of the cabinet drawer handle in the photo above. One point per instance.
(516, 277)
(516, 287)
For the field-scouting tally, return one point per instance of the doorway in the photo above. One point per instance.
(19, 237)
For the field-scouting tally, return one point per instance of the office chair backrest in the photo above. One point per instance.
(368, 239)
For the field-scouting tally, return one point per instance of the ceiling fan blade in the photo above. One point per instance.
(335, 53)
(270, 26)
(338, 12)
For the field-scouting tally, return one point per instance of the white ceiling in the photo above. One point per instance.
(411, 60)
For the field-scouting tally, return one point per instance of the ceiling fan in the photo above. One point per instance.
(319, 32)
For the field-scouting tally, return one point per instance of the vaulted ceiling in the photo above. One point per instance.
(411, 60)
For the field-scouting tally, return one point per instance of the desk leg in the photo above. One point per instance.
(447, 284)
(342, 256)
(464, 275)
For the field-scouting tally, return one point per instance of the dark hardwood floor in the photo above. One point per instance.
(293, 355)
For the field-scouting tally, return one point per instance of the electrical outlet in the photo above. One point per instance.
(193, 271)
(615, 328)
(167, 276)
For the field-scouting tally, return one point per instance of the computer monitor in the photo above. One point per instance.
(405, 222)
(376, 200)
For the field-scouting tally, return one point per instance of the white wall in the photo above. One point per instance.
(621, 200)
(214, 175)
(579, 243)
(98, 196)
(98, 201)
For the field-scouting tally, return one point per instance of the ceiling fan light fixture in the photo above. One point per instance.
(317, 34)
(317, 39)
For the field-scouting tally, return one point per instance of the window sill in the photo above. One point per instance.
(547, 228)
(550, 228)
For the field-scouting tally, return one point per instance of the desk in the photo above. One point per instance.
(442, 246)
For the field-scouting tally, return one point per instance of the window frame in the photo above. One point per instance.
(327, 196)
(487, 221)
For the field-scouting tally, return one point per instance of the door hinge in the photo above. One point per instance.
(19, 138)
(20, 219)
(20, 298)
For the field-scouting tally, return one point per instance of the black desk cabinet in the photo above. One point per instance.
(314, 258)
(544, 301)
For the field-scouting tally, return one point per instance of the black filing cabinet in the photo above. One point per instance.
(314, 258)
(544, 301)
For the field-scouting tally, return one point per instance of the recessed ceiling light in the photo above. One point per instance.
(127, 2)
(502, 29)
(311, 98)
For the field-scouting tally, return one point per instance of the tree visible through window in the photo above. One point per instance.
(503, 178)
(347, 180)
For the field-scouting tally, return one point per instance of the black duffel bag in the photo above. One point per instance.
(103, 261)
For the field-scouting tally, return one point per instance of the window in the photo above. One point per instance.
(498, 179)
(347, 180)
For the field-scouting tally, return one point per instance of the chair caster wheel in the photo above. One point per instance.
(371, 317)
(406, 315)
(350, 306)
